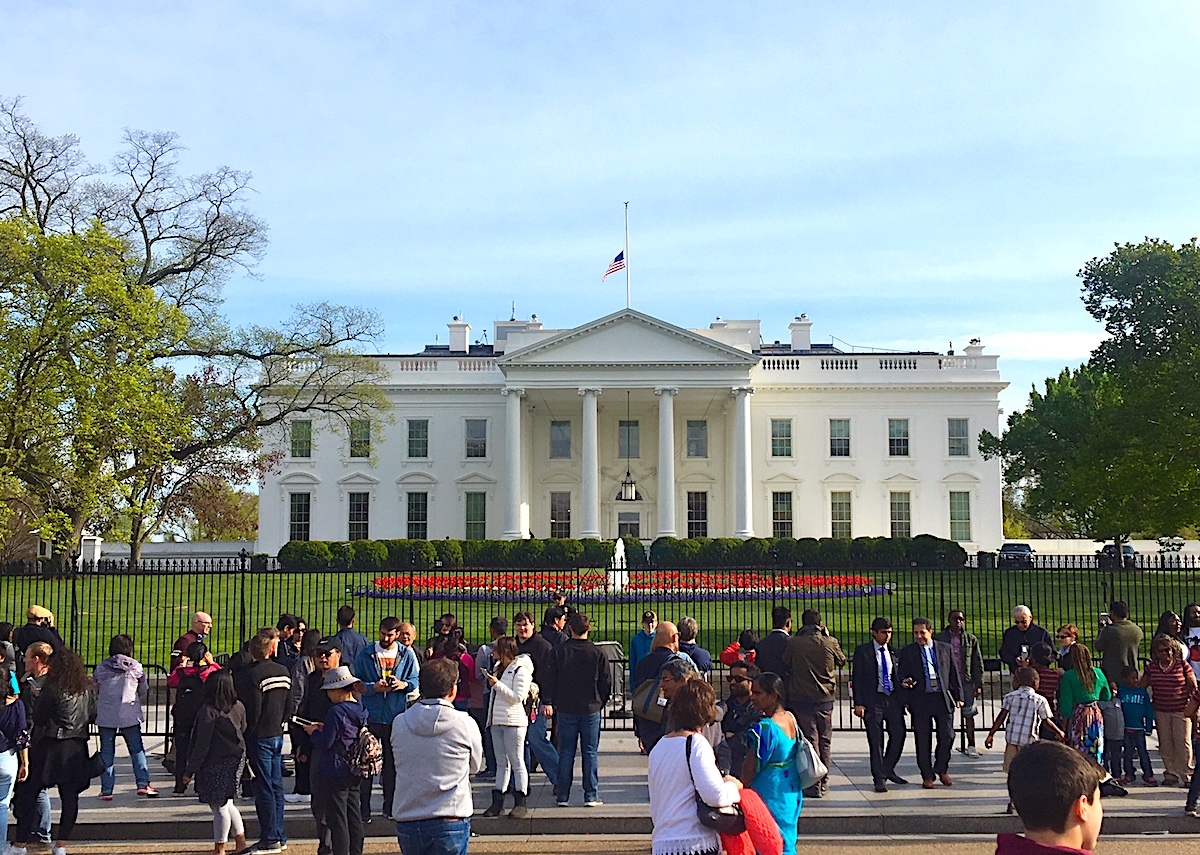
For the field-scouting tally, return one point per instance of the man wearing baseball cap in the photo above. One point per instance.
(639, 645)
(314, 706)
(39, 627)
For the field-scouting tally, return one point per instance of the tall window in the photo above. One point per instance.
(839, 437)
(781, 514)
(476, 516)
(301, 438)
(697, 511)
(839, 514)
(476, 437)
(898, 437)
(697, 438)
(629, 524)
(901, 507)
(360, 438)
(960, 515)
(628, 442)
(560, 514)
(418, 437)
(360, 514)
(299, 516)
(418, 516)
(560, 440)
(781, 437)
(958, 438)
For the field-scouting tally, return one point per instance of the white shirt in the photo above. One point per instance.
(677, 831)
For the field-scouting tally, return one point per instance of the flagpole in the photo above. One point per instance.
(628, 303)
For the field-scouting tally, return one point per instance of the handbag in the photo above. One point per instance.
(727, 820)
(809, 768)
(95, 766)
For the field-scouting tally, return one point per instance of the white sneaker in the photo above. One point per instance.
(60, 850)
(15, 850)
(297, 798)
(973, 752)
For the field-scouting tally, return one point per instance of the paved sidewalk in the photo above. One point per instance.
(973, 806)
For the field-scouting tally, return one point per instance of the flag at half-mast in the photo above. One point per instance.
(618, 263)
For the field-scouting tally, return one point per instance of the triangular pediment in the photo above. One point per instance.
(628, 337)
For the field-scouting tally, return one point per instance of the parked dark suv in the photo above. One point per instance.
(1015, 555)
(1107, 556)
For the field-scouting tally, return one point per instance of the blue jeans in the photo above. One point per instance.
(108, 750)
(266, 760)
(1135, 749)
(434, 836)
(583, 728)
(8, 780)
(538, 742)
(1194, 789)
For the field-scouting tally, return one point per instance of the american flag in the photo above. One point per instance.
(618, 263)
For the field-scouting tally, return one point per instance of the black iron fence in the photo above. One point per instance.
(155, 602)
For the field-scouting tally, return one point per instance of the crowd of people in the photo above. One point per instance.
(353, 708)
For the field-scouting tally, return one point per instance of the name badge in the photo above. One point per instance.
(933, 681)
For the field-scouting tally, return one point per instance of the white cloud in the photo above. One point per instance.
(1070, 347)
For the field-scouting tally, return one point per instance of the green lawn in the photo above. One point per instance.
(156, 608)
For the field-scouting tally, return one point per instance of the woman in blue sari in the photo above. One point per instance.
(770, 766)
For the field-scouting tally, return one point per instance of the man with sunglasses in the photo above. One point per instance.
(313, 706)
(736, 714)
(878, 703)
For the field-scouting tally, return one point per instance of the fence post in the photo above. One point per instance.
(75, 616)
(242, 614)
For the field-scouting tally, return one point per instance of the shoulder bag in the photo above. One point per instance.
(727, 820)
(809, 768)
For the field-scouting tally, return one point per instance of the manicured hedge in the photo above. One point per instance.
(862, 553)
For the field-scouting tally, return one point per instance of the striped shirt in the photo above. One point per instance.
(1169, 688)
(1048, 680)
(1026, 711)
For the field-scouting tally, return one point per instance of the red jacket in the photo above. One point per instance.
(733, 653)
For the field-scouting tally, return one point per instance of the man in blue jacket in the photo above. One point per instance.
(389, 672)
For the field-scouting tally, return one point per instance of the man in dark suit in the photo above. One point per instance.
(769, 655)
(933, 691)
(877, 701)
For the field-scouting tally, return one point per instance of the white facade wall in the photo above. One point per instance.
(633, 361)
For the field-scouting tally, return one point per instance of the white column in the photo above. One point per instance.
(591, 467)
(743, 505)
(512, 459)
(666, 460)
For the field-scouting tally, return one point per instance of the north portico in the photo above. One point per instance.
(722, 434)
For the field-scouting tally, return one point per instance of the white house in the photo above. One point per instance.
(721, 435)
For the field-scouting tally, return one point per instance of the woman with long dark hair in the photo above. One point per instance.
(58, 751)
(511, 682)
(770, 765)
(1082, 686)
(306, 663)
(216, 756)
(1170, 626)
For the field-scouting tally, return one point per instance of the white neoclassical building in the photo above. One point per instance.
(630, 425)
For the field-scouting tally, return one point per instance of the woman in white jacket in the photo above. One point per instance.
(511, 683)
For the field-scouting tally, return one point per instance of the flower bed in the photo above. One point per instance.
(620, 586)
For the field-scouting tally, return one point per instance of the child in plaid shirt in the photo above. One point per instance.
(1022, 714)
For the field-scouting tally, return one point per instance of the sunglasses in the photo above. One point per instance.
(1066, 636)
(739, 679)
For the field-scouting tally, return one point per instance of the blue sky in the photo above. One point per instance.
(908, 174)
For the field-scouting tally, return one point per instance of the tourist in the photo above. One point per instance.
(187, 682)
(682, 766)
(313, 707)
(408, 637)
(664, 648)
(1171, 682)
(737, 712)
(968, 658)
(537, 740)
(577, 685)
(1067, 637)
(433, 810)
(510, 681)
(688, 628)
(1170, 625)
(14, 752)
(813, 658)
(673, 674)
(122, 687)
(639, 645)
(1056, 792)
(288, 649)
(558, 598)
(877, 701)
(216, 757)
(769, 653)
(58, 749)
(770, 758)
(1022, 714)
(334, 738)
(1019, 638)
(933, 689)
(39, 626)
(8, 652)
(36, 662)
(485, 663)
(389, 672)
(306, 664)
(349, 640)
(1191, 636)
(741, 650)
(554, 624)
(202, 623)
(444, 626)
(1041, 659)
(1082, 687)
(1139, 723)
(470, 694)
(1191, 807)
(1118, 642)
(264, 688)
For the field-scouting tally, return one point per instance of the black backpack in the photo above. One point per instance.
(189, 697)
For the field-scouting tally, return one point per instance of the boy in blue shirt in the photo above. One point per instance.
(1139, 723)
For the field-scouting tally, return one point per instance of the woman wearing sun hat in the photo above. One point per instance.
(335, 738)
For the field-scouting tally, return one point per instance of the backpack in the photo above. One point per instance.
(365, 757)
(189, 697)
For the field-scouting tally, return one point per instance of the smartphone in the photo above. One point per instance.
(1105, 620)
(1025, 652)
(302, 722)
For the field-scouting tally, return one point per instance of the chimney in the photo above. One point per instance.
(801, 333)
(975, 348)
(460, 335)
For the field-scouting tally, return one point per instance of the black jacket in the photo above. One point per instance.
(912, 665)
(216, 737)
(32, 633)
(60, 716)
(1014, 637)
(264, 688)
(538, 650)
(864, 676)
(578, 679)
(768, 655)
